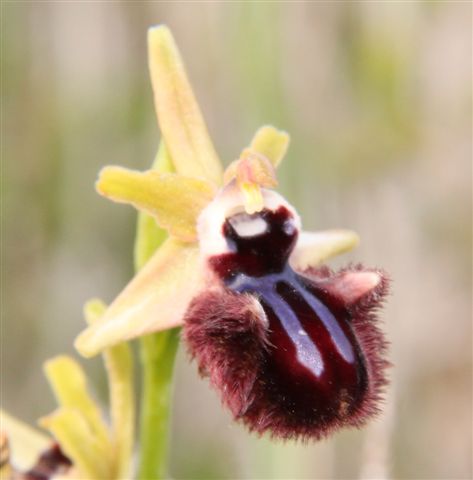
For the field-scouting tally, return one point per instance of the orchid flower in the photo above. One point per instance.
(293, 348)
(158, 296)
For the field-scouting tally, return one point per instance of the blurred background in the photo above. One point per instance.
(377, 98)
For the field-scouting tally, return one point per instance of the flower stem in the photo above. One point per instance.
(157, 354)
(157, 358)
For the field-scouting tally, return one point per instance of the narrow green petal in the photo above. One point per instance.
(156, 299)
(119, 364)
(271, 143)
(173, 200)
(79, 443)
(69, 384)
(25, 443)
(312, 249)
(180, 120)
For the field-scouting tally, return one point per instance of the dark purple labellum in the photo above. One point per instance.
(311, 370)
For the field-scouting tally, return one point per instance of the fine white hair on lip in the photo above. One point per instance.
(230, 201)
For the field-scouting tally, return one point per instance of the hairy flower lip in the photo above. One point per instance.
(316, 361)
(229, 351)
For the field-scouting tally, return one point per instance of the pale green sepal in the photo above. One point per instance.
(69, 384)
(119, 365)
(79, 443)
(149, 235)
(25, 443)
(179, 116)
(271, 143)
(312, 249)
(155, 300)
(173, 200)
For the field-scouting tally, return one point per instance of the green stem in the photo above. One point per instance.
(158, 352)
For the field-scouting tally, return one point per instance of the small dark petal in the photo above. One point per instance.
(233, 336)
